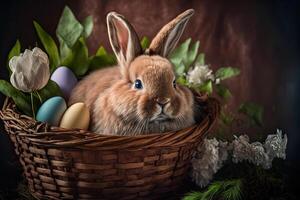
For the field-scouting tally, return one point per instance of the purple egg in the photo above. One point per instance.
(65, 79)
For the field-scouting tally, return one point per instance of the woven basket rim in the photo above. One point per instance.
(41, 133)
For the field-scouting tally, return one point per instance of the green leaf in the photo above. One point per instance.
(228, 189)
(232, 190)
(206, 87)
(179, 54)
(179, 69)
(69, 29)
(182, 80)
(145, 42)
(227, 72)
(226, 118)
(193, 196)
(78, 60)
(253, 111)
(212, 191)
(200, 60)
(178, 64)
(191, 54)
(87, 26)
(49, 46)
(98, 62)
(15, 51)
(181, 51)
(101, 59)
(50, 90)
(101, 51)
(223, 91)
(21, 100)
(66, 55)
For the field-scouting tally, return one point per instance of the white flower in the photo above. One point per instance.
(275, 145)
(30, 70)
(241, 149)
(210, 156)
(259, 156)
(200, 74)
(257, 153)
(208, 160)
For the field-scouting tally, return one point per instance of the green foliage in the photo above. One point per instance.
(227, 72)
(212, 191)
(78, 60)
(180, 68)
(191, 54)
(145, 42)
(69, 28)
(183, 56)
(101, 59)
(179, 53)
(200, 60)
(253, 111)
(73, 53)
(73, 49)
(21, 100)
(232, 190)
(87, 26)
(182, 81)
(223, 91)
(50, 90)
(49, 46)
(193, 196)
(226, 118)
(227, 190)
(206, 87)
(15, 51)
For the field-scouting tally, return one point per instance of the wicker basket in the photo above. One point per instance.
(76, 164)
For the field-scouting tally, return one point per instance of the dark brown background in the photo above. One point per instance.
(259, 37)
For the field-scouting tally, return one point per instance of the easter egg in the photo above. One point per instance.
(76, 116)
(65, 79)
(52, 110)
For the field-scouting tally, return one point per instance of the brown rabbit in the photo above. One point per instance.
(140, 96)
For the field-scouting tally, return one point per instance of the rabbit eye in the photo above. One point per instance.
(138, 84)
(174, 83)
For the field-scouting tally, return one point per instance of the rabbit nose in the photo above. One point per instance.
(162, 101)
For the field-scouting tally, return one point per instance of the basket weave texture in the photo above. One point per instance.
(77, 164)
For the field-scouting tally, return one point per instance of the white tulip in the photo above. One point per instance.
(30, 70)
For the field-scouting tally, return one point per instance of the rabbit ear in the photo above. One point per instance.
(123, 39)
(167, 38)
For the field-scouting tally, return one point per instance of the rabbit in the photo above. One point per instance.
(140, 95)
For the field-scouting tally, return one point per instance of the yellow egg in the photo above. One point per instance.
(76, 116)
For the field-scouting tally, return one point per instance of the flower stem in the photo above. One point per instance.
(32, 107)
(40, 98)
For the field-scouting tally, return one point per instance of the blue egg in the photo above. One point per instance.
(52, 110)
(65, 79)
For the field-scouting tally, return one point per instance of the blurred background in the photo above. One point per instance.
(259, 37)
